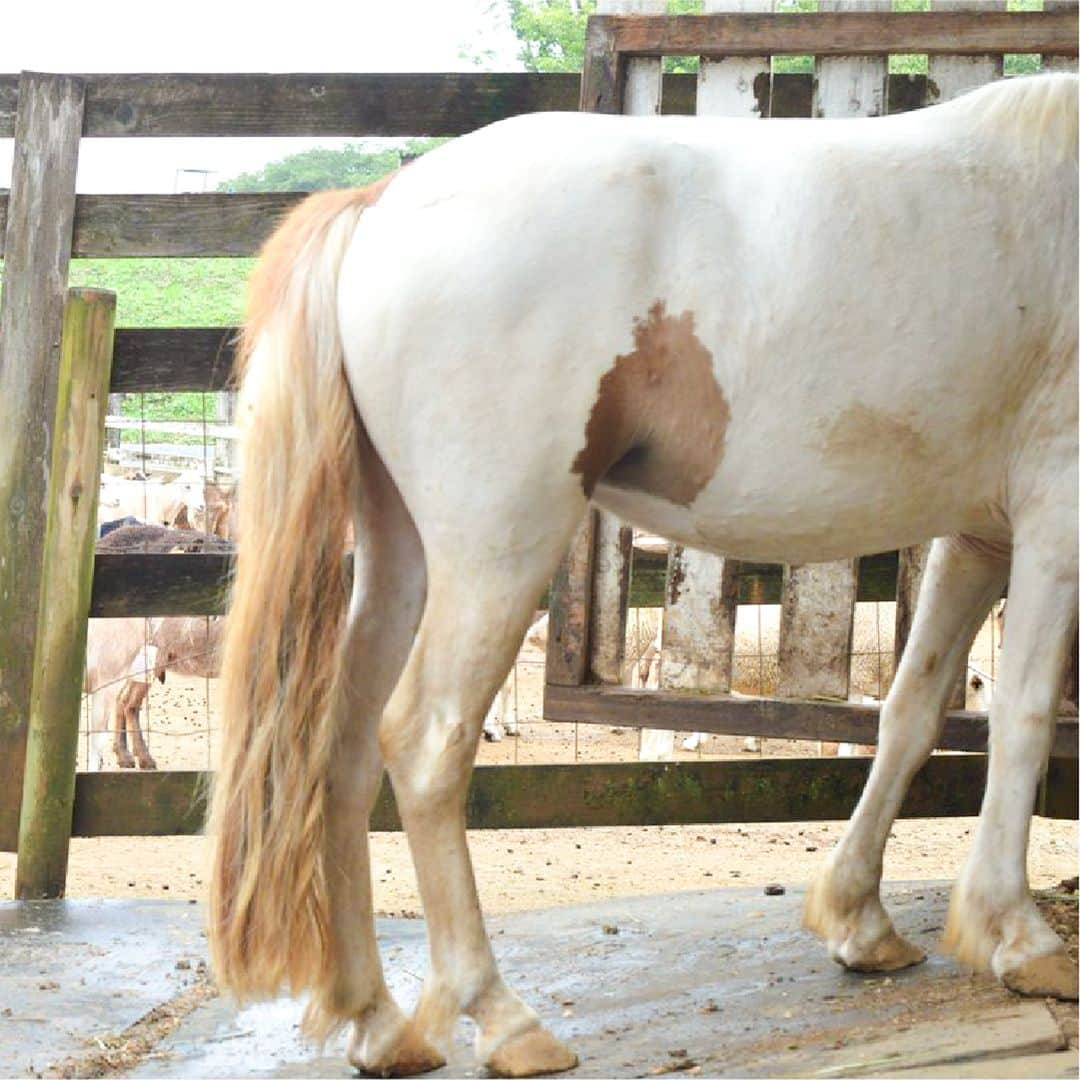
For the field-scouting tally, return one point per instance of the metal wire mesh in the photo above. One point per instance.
(168, 462)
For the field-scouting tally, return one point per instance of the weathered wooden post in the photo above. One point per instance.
(64, 606)
(37, 247)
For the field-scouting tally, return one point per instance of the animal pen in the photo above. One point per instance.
(60, 357)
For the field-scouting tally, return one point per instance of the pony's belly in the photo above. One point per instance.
(790, 530)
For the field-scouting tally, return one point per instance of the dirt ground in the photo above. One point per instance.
(519, 870)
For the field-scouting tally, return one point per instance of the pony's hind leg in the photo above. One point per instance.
(467, 640)
(844, 905)
(388, 596)
(993, 921)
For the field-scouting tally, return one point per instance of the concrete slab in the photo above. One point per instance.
(71, 970)
(713, 984)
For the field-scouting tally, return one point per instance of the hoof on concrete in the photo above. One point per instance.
(536, 1052)
(889, 953)
(1045, 976)
(409, 1055)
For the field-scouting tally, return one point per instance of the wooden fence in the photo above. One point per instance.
(589, 602)
(44, 587)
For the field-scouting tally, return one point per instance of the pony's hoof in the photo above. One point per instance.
(536, 1052)
(888, 953)
(409, 1055)
(1045, 976)
(147, 763)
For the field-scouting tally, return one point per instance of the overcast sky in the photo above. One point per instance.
(232, 36)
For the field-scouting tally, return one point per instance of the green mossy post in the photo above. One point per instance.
(64, 599)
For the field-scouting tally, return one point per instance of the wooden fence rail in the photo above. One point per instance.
(620, 793)
(43, 224)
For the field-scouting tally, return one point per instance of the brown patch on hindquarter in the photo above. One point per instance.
(659, 421)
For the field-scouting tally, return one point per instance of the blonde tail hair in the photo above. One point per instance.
(300, 463)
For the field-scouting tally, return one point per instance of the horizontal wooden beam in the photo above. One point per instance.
(196, 584)
(143, 585)
(210, 225)
(166, 359)
(351, 106)
(773, 718)
(848, 33)
(571, 796)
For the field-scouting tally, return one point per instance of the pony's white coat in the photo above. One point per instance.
(483, 300)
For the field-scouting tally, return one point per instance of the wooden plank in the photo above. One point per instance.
(174, 225)
(642, 86)
(195, 584)
(816, 623)
(196, 359)
(1059, 796)
(572, 796)
(570, 602)
(1063, 64)
(735, 85)
(603, 75)
(37, 242)
(9, 105)
(951, 76)
(611, 591)
(699, 621)
(177, 225)
(67, 563)
(844, 33)
(678, 95)
(308, 104)
(1000, 1040)
(787, 718)
(140, 803)
(911, 562)
(321, 105)
(905, 93)
(144, 585)
(852, 86)
(791, 95)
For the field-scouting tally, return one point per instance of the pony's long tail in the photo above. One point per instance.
(298, 482)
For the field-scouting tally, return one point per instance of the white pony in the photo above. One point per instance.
(791, 341)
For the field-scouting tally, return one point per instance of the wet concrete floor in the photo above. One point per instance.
(723, 983)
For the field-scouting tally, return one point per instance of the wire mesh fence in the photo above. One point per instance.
(151, 692)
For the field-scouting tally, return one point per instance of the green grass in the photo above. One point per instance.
(169, 292)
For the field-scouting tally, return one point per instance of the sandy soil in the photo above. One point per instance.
(539, 868)
(518, 871)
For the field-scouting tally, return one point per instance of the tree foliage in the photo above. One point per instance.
(355, 165)
(551, 33)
